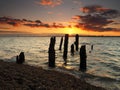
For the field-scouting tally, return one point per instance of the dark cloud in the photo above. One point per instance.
(100, 29)
(59, 25)
(97, 18)
(40, 24)
(37, 25)
(10, 21)
(110, 14)
(29, 23)
(93, 9)
(38, 21)
(13, 23)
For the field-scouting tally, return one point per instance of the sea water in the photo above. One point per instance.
(103, 62)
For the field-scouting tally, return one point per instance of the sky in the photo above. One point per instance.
(45, 17)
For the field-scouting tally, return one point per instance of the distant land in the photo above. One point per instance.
(48, 35)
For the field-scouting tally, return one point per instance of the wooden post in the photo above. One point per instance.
(77, 41)
(72, 49)
(17, 59)
(54, 41)
(51, 52)
(83, 57)
(65, 48)
(21, 58)
(61, 41)
(91, 47)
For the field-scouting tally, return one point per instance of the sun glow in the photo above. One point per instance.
(70, 31)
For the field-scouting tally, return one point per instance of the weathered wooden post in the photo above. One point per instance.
(61, 41)
(54, 39)
(21, 58)
(17, 59)
(65, 48)
(72, 49)
(83, 57)
(77, 41)
(51, 52)
(91, 47)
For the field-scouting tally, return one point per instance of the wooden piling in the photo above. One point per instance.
(21, 58)
(65, 48)
(72, 49)
(83, 57)
(54, 41)
(17, 59)
(91, 47)
(77, 41)
(51, 52)
(61, 41)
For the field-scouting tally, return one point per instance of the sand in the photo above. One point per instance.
(24, 77)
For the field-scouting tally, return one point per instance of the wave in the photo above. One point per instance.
(93, 79)
(108, 54)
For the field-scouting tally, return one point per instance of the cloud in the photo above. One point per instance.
(54, 25)
(94, 20)
(18, 22)
(51, 3)
(37, 25)
(13, 23)
(93, 9)
(97, 18)
(28, 23)
(10, 21)
(110, 14)
(38, 21)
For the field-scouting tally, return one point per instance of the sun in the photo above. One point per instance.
(70, 31)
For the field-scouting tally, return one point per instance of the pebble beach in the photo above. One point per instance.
(24, 77)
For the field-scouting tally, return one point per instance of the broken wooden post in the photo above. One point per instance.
(77, 41)
(54, 39)
(65, 48)
(17, 59)
(83, 57)
(61, 41)
(72, 49)
(51, 52)
(21, 58)
(91, 47)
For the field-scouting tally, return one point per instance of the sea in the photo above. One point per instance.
(103, 62)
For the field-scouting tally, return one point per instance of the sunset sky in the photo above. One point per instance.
(45, 17)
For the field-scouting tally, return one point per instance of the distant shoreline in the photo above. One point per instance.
(51, 35)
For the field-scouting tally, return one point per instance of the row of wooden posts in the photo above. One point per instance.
(51, 51)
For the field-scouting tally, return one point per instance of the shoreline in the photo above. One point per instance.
(19, 76)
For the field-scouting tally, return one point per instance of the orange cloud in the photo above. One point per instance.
(76, 17)
(51, 3)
